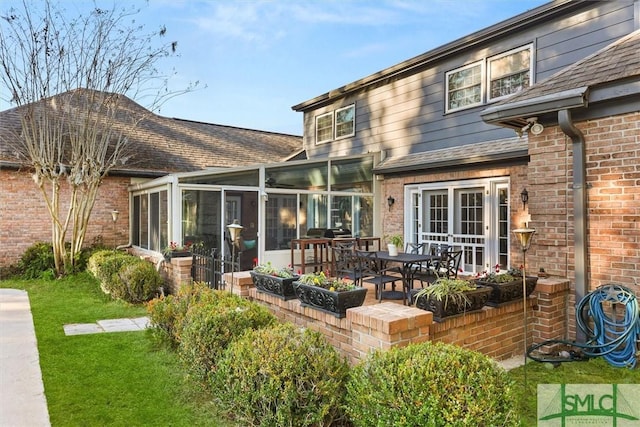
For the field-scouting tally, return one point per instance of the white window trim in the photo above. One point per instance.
(480, 63)
(502, 55)
(335, 122)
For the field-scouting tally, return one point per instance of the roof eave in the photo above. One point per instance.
(514, 114)
(457, 163)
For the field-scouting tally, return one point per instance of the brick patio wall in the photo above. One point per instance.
(496, 332)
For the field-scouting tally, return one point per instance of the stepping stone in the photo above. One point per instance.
(118, 325)
(82, 329)
(142, 322)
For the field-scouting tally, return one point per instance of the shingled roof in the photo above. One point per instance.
(165, 145)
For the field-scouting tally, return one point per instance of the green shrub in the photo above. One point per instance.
(137, 282)
(94, 265)
(166, 314)
(37, 262)
(123, 276)
(429, 384)
(281, 376)
(211, 323)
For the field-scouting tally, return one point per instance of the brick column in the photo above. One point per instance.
(550, 314)
(180, 273)
(242, 282)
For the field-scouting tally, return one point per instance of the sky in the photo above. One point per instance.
(255, 59)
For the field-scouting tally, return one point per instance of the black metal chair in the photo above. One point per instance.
(374, 270)
(346, 264)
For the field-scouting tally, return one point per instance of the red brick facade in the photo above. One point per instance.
(24, 218)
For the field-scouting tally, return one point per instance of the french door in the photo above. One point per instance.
(469, 215)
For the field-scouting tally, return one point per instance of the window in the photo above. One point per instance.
(150, 215)
(464, 87)
(324, 128)
(509, 72)
(345, 121)
(345, 124)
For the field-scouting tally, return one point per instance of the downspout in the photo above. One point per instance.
(579, 207)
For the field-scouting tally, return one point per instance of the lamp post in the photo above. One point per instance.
(525, 236)
(114, 218)
(234, 232)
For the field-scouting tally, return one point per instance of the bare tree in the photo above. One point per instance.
(67, 78)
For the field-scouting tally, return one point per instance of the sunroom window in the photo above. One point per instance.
(509, 72)
(464, 87)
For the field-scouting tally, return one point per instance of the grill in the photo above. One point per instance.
(330, 233)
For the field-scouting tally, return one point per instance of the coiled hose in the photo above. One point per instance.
(613, 339)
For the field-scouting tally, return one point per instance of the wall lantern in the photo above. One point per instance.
(114, 215)
(524, 196)
(390, 202)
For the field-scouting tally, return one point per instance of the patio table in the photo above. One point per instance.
(408, 260)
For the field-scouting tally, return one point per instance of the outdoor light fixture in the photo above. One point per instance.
(524, 196)
(390, 202)
(532, 126)
(234, 233)
(525, 236)
(114, 218)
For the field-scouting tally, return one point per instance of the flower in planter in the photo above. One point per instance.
(448, 291)
(499, 277)
(270, 269)
(321, 280)
(175, 247)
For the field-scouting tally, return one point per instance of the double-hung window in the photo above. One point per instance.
(345, 121)
(465, 87)
(324, 127)
(509, 72)
(340, 123)
(506, 74)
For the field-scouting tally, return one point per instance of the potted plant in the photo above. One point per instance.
(327, 294)
(506, 287)
(448, 297)
(273, 280)
(394, 242)
(174, 250)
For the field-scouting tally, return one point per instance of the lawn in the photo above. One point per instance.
(114, 379)
(125, 379)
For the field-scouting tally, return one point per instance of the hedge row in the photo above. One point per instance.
(264, 373)
(124, 276)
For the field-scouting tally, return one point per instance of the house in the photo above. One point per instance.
(417, 149)
(531, 122)
(161, 146)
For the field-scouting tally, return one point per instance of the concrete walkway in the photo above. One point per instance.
(22, 399)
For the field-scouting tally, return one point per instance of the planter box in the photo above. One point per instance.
(278, 286)
(177, 254)
(477, 299)
(503, 293)
(328, 301)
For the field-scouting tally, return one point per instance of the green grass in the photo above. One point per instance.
(593, 371)
(114, 379)
(125, 379)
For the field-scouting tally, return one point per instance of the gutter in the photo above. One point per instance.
(579, 207)
(511, 114)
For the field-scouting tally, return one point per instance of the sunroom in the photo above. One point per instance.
(274, 203)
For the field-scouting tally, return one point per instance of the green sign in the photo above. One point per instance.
(613, 405)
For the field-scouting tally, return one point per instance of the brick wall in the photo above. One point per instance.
(496, 332)
(24, 218)
(612, 148)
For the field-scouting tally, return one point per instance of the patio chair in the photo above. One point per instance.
(373, 270)
(346, 264)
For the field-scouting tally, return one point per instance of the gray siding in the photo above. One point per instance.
(407, 115)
